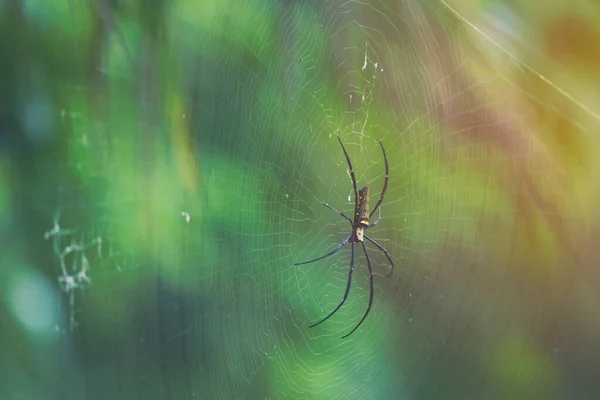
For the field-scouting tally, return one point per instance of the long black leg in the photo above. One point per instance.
(347, 289)
(385, 183)
(332, 252)
(339, 212)
(380, 247)
(370, 293)
(351, 172)
(377, 220)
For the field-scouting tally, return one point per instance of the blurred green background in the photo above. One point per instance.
(162, 166)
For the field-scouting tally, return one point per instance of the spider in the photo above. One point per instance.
(357, 234)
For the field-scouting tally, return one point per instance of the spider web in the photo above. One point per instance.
(179, 263)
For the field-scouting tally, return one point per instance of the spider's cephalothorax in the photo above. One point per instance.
(359, 226)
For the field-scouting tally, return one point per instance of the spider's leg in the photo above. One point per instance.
(377, 220)
(380, 247)
(385, 183)
(337, 211)
(351, 171)
(332, 252)
(370, 293)
(345, 294)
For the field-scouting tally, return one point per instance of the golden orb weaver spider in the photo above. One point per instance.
(357, 234)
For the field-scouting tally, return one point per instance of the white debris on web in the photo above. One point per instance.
(366, 57)
(71, 247)
(186, 216)
(359, 93)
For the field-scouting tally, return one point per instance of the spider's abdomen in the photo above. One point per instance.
(362, 208)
